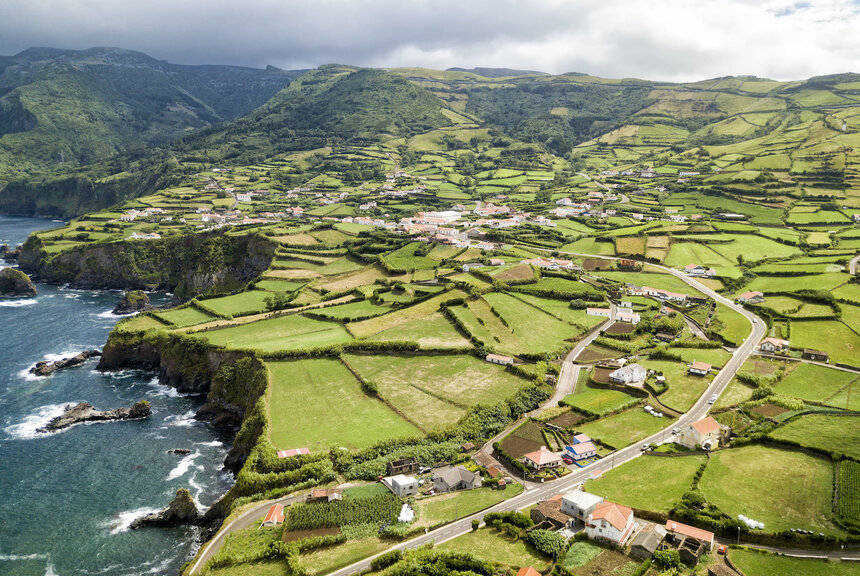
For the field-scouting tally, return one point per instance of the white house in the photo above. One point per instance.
(610, 522)
(579, 504)
(605, 312)
(751, 298)
(771, 345)
(581, 450)
(705, 433)
(628, 316)
(699, 368)
(542, 459)
(629, 374)
(401, 485)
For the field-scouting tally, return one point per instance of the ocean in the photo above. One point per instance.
(67, 498)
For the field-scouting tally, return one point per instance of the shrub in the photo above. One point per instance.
(546, 542)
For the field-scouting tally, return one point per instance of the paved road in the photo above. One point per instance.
(617, 458)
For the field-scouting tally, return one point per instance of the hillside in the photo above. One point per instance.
(61, 108)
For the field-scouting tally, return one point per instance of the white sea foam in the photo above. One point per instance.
(49, 570)
(122, 521)
(17, 303)
(216, 443)
(185, 420)
(22, 557)
(163, 390)
(25, 374)
(184, 466)
(26, 429)
(110, 315)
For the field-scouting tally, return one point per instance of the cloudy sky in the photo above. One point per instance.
(654, 39)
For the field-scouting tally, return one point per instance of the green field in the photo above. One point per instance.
(835, 338)
(820, 384)
(684, 389)
(755, 563)
(839, 434)
(302, 396)
(561, 309)
(448, 507)
(292, 332)
(735, 327)
(668, 480)
(620, 430)
(249, 302)
(187, 316)
(405, 258)
(490, 545)
(714, 356)
(352, 310)
(598, 400)
(768, 284)
(430, 332)
(782, 488)
(537, 331)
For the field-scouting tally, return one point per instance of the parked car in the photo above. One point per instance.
(676, 430)
(567, 459)
(721, 549)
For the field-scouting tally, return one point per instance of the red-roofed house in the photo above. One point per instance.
(705, 433)
(673, 527)
(274, 517)
(582, 450)
(542, 459)
(528, 571)
(773, 345)
(610, 522)
(751, 298)
(699, 368)
(499, 359)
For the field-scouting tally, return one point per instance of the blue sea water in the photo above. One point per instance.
(67, 498)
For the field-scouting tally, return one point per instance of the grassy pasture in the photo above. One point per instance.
(278, 285)
(244, 303)
(405, 259)
(421, 310)
(317, 386)
(433, 331)
(735, 327)
(187, 316)
(360, 309)
(598, 400)
(835, 338)
(684, 389)
(826, 281)
(832, 433)
(562, 310)
(492, 546)
(448, 507)
(782, 488)
(291, 332)
(537, 331)
(754, 563)
(620, 430)
(713, 356)
(668, 480)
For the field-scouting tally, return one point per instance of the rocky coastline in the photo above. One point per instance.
(16, 284)
(45, 368)
(84, 412)
(182, 510)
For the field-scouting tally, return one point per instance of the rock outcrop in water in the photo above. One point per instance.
(45, 368)
(84, 412)
(182, 510)
(133, 301)
(8, 253)
(15, 284)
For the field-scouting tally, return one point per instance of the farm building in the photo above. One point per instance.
(457, 478)
(705, 433)
(631, 317)
(542, 459)
(499, 359)
(703, 536)
(472, 266)
(402, 466)
(698, 270)
(751, 298)
(293, 452)
(605, 312)
(528, 571)
(402, 486)
(647, 542)
(664, 294)
(773, 345)
(610, 522)
(815, 355)
(581, 450)
(497, 262)
(274, 516)
(579, 504)
(322, 495)
(549, 511)
(629, 374)
(699, 368)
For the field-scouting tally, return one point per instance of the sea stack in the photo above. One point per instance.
(182, 510)
(15, 284)
(133, 301)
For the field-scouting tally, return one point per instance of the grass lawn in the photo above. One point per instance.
(820, 384)
(713, 356)
(580, 554)
(278, 285)
(561, 309)
(248, 302)
(421, 310)
(327, 560)
(490, 545)
(360, 309)
(668, 480)
(684, 389)
(405, 258)
(283, 333)
(302, 396)
(735, 325)
(267, 568)
(833, 433)
(754, 563)
(598, 400)
(433, 331)
(767, 284)
(652, 279)
(782, 488)
(735, 393)
(835, 338)
(537, 331)
(449, 507)
(187, 316)
(620, 430)
(140, 324)
(461, 378)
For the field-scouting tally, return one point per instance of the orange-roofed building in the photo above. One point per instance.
(610, 522)
(274, 517)
(705, 433)
(699, 368)
(528, 571)
(542, 459)
(673, 527)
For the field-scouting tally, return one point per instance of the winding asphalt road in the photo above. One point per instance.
(617, 458)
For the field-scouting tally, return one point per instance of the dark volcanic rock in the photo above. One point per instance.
(133, 301)
(44, 368)
(84, 412)
(9, 254)
(179, 451)
(14, 283)
(182, 510)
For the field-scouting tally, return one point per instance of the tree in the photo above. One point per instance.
(546, 542)
(666, 559)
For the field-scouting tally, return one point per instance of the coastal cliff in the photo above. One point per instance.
(186, 265)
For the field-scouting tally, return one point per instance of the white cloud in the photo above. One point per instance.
(656, 39)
